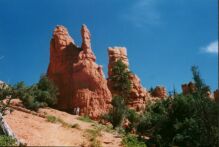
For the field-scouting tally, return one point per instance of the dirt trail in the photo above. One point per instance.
(37, 131)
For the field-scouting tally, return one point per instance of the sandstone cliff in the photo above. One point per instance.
(80, 80)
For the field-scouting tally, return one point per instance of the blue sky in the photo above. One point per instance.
(164, 38)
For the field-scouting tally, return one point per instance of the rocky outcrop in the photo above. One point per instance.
(191, 88)
(188, 88)
(80, 80)
(159, 92)
(216, 95)
(138, 94)
(115, 54)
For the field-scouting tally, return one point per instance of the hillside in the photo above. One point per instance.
(64, 130)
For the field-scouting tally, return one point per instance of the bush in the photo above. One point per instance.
(132, 141)
(190, 120)
(133, 118)
(7, 141)
(42, 94)
(92, 135)
(47, 91)
(85, 118)
(180, 122)
(118, 111)
(51, 118)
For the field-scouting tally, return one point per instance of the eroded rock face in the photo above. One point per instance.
(80, 80)
(138, 94)
(216, 95)
(191, 88)
(160, 92)
(115, 54)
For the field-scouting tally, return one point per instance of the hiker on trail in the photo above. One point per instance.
(77, 111)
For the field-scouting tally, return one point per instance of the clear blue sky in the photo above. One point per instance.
(164, 38)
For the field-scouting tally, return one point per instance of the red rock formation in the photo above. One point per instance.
(216, 95)
(138, 94)
(115, 54)
(188, 88)
(160, 92)
(80, 80)
(191, 88)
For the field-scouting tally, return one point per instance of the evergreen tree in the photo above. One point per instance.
(121, 85)
(191, 120)
(118, 111)
(120, 81)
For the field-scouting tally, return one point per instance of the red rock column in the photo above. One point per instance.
(216, 95)
(80, 80)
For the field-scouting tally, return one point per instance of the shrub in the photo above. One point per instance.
(118, 111)
(107, 117)
(51, 118)
(85, 118)
(92, 135)
(7, 141)
(190, 120)
(42, 94)
(132, 141)
(47, 91)
(133, 118)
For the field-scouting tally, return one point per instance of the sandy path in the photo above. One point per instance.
(37, 131)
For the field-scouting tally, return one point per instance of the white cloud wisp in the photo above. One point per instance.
(211, 48)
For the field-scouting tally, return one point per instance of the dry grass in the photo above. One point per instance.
(93, 135)
(53, 119)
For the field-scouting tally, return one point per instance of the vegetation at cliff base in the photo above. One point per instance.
(179, 120)
(132, 141)
(185, 120)
(85, 118)
(118, 111)
(42, 94)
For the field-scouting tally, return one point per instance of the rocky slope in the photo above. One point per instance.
(35, 129)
